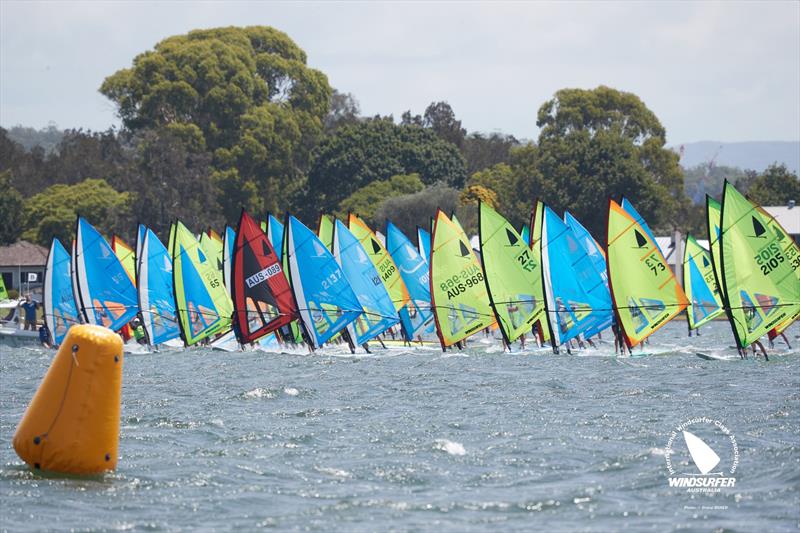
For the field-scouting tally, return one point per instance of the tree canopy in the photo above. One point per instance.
(12, 208)
(366, 200)
(244, 94)
(775, 186)
(52, 212)
(602, 143)
(357, 154)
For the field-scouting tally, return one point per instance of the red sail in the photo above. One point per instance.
(262, 298)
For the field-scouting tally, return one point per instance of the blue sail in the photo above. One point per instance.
(140, 232)
(628, 207)
(598, 259)
(576, 298)
(228, 243)
(418, 320)
(275, 235)
(379, 313)
(156, 296)
(325, 300)
(106, 295)
(424, 244)
(60, 311)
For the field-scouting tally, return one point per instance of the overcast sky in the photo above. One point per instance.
(726, 71)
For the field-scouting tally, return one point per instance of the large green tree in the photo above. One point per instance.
(246, 94)
(366, 200)
(376, 149)
(12, 210)
(602, 143)
(52, 212)
(777, 185)
(411, 210)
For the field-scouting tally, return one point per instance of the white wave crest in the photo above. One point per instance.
(453, 448)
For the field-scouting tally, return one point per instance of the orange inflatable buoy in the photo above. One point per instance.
(72, 424)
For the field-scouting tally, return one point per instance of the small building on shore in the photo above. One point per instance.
(22, 266)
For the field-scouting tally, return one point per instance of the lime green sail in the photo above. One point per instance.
(459, 298)
(758, 279)
(201, 301)
(700, 285)
(645, 293)
(792, 252)
(3, 291)
(513, 276)
(325, 230)
(713, 212)
(383, 262)
(536, 247)
(213, 248)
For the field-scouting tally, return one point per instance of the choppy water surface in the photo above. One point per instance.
(414, 439)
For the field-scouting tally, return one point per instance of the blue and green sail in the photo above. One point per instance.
(513, 274)
(700, 285)
(379, 312)
(598, 257)
(759, 280)
(155, 290)
(325, 300)
(418, 322)
(60, 311)
(106, 295)
(458, 292)
(202, 304)
(274, 233)
(228, 244)
(576, 296)
(644, 290)
(424, 244)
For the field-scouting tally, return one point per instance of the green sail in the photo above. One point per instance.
(792, 253)
(758, 279)
(700, 285)
(646, 294)
(713, 211)
(213, 248)
(325, 230)
(201, 301)
(458, 293)
(3, 291)
(513, 276)
(536, 247)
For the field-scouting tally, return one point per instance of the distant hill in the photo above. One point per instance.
(752, 155)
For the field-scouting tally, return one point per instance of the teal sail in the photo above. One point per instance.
(418, 321)
(576, 299)
(60, 311)
(628, 207)
(424, 244)
(325, 300)
(228, 244)
(106, 295)
(379, 312)
(156, 294)
(275, 235)
(598, 259)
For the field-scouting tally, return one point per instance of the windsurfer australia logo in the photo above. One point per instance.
(693, 457)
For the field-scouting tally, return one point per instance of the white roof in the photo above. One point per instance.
(787, 217)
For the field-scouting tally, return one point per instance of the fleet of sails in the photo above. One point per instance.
(347, 283)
